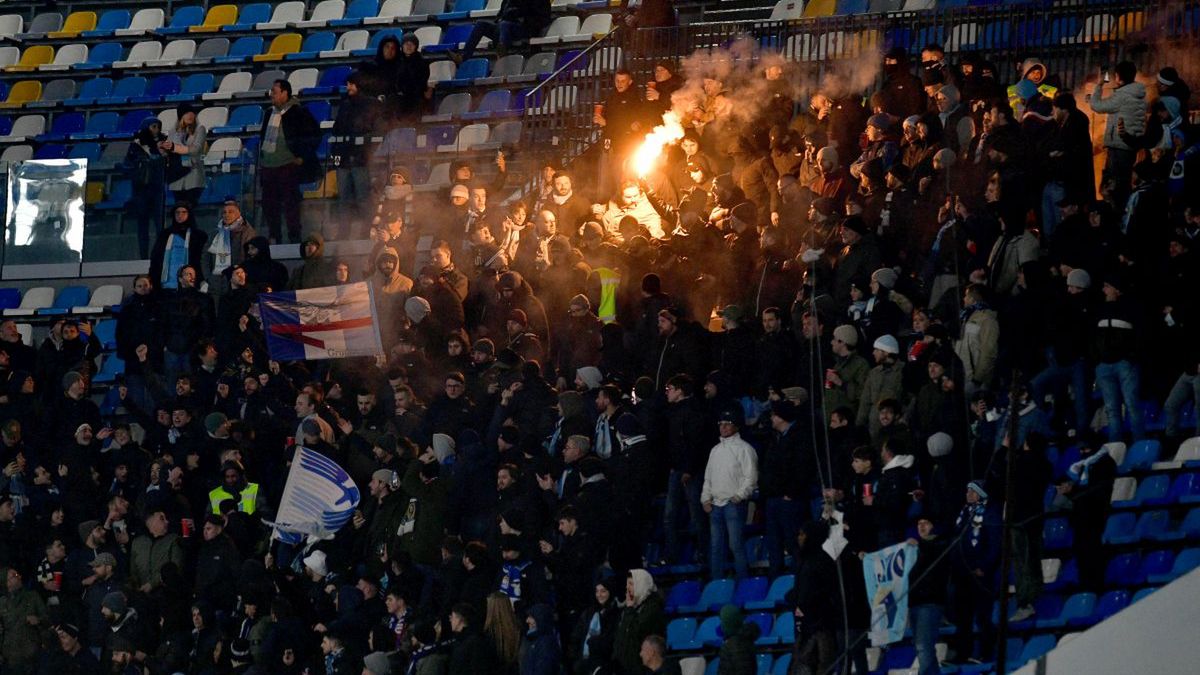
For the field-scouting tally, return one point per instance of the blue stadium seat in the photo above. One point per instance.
(716, 594)
(183, 19)
(110, 368)
(10, 298)
(709, 633)
(1062, 29)
(462, 10)
(1156, 563)
(750, 590)
(1046, 605)
(101, 56)
(404, 140)
(126, 89)
(1154, 526)
(765, 622)
(64, 125)
(1110, 603)
(313, 45)
(782, 665)
(682, 593)
(100, 124)
(995, 35)
(469, 71)
(1057, 534)
(1037, 647)
(6, 125)
(763, 664)
(1119, 529)
(1185, 489)
(1190, 527)
(159, 89)
(1185, 562)
(1140, 456)
(118, 197)
(1122, 570)
(68, 297)
(850, 7)
(130, 123)
(897, 657)
(451, 38)
(356, 12)
(712, 667)
(220, 187)
(1153, 490)
(88, 150)
(378, 37)
(493, 104)
(242, 49)
(775, 594)
(249, 16)
(51, 151)
(243, 118)
(331, 81)
(680, 633)
(106, 332)
(440, 135)
(785, 628)
(1029, 33)
(193, 86)
(109, 22)
(1078, 605)
(1143, 593)
(90, 91)
(1066, 459)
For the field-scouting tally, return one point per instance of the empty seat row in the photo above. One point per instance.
(43, 301)
(686, 633)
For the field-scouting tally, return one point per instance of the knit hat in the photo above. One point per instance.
(387, 443)
(1168, 76)
(856, 224)
(730, 416)
(797, 395)
(519, 316)
(882, 121)
(214, 421)
(731, 312)
(68, 629)
(460, 190)
(416, 309)
(1079, 278)
(885, 276)
(825, 206)
(731, 620)
(85, 529)
(443, 446)
(484, 346)
(114, 602)
(580, 301)
(590, 375)
(70, 379)
(377, 663)
(591, 230)
(976, 486)
(105, 559)
(887, 344)
(384, 476)
(316, 562)
(629, 425)
(940, 444)
(846, 334)
(651, 283)
(591, 466)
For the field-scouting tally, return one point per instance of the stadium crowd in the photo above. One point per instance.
(884, 268)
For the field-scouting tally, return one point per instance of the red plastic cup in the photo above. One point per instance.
(829, 373)
(868, 489)
(58, 576)
(186, 526)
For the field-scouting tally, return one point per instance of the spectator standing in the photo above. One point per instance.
(517, 20)
(179, 244)
(642, 615)
(188, 140)
(146, 164)
(357, 119)
(1125, 110)
(730, 478)
(287, 158)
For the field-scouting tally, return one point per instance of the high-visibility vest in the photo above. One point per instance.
(1018, 106)
(245, 504)
(610, 280)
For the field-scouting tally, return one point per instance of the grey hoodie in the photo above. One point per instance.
(1128, 103)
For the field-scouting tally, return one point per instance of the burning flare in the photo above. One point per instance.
(670, 131)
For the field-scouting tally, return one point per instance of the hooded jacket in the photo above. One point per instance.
(1126, 103)
(643, 617)
(261, 269)
(316, 271)
(540, 651)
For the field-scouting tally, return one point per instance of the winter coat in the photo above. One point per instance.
(21, 642)
(732, 472)
(188, 317)
(1126, 103)
(471, 654)
(425, 516)
(737, 653)
(636, 623)
(262, 270)
(148, 555)
(139, 323)
(852, 370)
(302, 135)
(934, 569)
(1114, 335)
(316, 271)
(540, 651)
(1008, 254)
(978, 346)
(892, 499)
(884, 381)
(197, 244)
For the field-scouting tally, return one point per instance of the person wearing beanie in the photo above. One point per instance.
(578, 345)
(843, 381)
(1079, 278)
(630, 469)
(737, 649)
(1170, 84)
(882, 314)
(856, 261)
(884, 381)
(973, 566)
(979, 344)
(589, 377)
(188, 139)
(955, 117)
(385, 505)
(882, 147)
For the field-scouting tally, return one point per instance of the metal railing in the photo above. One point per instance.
(1073, 39)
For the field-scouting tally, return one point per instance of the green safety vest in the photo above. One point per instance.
(245, 504)
(610, 279)
(1018, 106)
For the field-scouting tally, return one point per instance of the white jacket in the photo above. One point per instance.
(1126, 103)
(732, 471)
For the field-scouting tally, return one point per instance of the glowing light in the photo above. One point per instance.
(670, 131)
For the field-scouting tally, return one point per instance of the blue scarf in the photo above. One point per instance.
(174, 259)
(510, 582)
(969, 310)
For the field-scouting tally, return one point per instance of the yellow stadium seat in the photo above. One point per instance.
(1128, 24)
(32, 57)
(23, 92)
(287, 43)
(816, 8)
(218, 16)
(94, 193)
(326, 189)
(75, 24)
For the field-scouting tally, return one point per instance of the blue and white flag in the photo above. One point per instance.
(331, 322)
(318, 498)
(887, 573)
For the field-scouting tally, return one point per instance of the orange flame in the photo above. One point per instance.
(670, 131)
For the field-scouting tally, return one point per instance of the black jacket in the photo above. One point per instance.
(302, 135)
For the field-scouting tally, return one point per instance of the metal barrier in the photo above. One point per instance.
(1073, 39)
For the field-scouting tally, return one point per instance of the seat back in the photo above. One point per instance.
(233, 83)
(303, 78)
(58, 90)
(213, 47)
(352, 40)
(186, 17)
(11, 24)
(288, 12)
(179, 49)
(147, 19)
